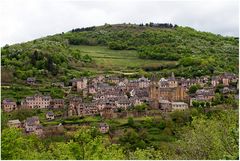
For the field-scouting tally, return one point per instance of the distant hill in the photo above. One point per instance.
(121, 48)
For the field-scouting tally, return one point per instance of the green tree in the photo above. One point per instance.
(15, 145)
(194, 88)
(145, 154)
(213, 138)
(130, 122)
(61, 151)
(141, 107)
(91, 147)
(217, 99)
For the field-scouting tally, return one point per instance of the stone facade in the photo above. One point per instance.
(50, 115)
(57, 103)
(79, 84)
(167, 93)
(14, 123)
(32, 125)
(167, 89)
(37, 101)
(165, 105)
(82, 84)
(179, 106)
(9, 105)
(103, 128)
(31, 80)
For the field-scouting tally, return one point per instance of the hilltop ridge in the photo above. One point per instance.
(122, 48)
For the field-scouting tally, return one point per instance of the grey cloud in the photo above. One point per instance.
(24, 20)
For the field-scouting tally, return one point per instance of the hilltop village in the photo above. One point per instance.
(113, 97)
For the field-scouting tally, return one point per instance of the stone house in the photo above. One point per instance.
(82, 84)
(225, 81)
(143, 93)
(92, 89)
(188, 82)
(132, 84)
(101, 104)
(79, 84)
(9, 105)
(57, 103)
(50, 115)
(114, 80)
(228, 90)
(205, 94)
(83, 109)
(165, 105)
(143, 82)
(73, 103)
(179, 106)
(113, 94)
(75, 100)
(99, 96)
(135, 101)
(103, 86)
(107, 112)
(100, 78)
(123, 103)
(121, 84)
(226, 78)
(36, 101)
(103, 128)
(14, 123)
(32, 125)
(204, 79)
(93, 81)
(90, 109)
(215, 81)
(31, 80)
(153, 103)
(97, 79)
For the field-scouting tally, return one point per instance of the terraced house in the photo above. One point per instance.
(36, 101)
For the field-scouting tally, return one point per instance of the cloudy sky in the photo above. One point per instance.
(24, 20)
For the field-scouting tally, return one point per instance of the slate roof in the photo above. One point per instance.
(32, 120)
(8, 102)
(123, 101)
(103, 125)
(31, 79)
(50, 113)
(14, 122)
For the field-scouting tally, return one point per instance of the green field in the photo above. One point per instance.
(117, 60)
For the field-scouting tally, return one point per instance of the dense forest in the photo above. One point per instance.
(188, 52)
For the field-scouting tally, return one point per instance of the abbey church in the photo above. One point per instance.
(167, 89)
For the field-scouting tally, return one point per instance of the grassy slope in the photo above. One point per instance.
(116, 60)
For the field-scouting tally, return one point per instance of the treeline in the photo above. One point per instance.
(83, 29)
(159, 25)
